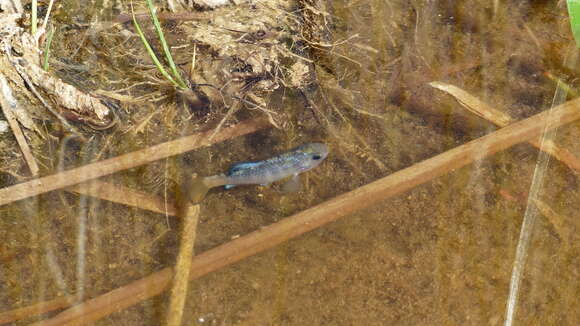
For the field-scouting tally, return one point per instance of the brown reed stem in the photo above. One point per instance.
(183, 266)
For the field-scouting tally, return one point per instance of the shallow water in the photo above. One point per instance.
(442, 253)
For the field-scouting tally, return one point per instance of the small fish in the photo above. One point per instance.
(292, 163)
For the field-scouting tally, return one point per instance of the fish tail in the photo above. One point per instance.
(199, 186)
(197, 189)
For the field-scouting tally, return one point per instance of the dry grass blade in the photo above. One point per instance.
(123, 162)
(319, 215)
(9, 105)
(474, 105)
(501, 119)
(34, 17)
(48, 11)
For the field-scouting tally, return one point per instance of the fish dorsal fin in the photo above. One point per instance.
(241, 166)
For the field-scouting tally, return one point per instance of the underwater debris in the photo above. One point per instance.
(73, 103)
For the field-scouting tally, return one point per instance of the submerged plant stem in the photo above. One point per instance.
(190, 218)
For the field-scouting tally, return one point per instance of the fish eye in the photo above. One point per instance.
(316, 157)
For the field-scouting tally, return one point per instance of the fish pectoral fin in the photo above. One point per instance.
(292, 185)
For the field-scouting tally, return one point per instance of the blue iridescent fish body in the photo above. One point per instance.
(291, 163)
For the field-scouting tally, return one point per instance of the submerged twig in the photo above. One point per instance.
(123, 162)
(9, 105)
(125, 196)
(36, 309)
(501, 119)
(312, 218)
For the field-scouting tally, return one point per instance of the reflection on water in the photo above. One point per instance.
(442, 253)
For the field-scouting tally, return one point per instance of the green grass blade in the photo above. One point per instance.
(574, 12)
(150, 51)
(164, 45)
(47, 49)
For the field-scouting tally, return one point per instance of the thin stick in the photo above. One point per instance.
(9, 103)
(34, 17)
(502, 119)
(312, 218)
(37, 309)
(183, 266)
(45, 22)
(192, 70)
(123, 162)
(126, 196)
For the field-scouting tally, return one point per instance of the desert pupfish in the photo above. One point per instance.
(291, 163)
